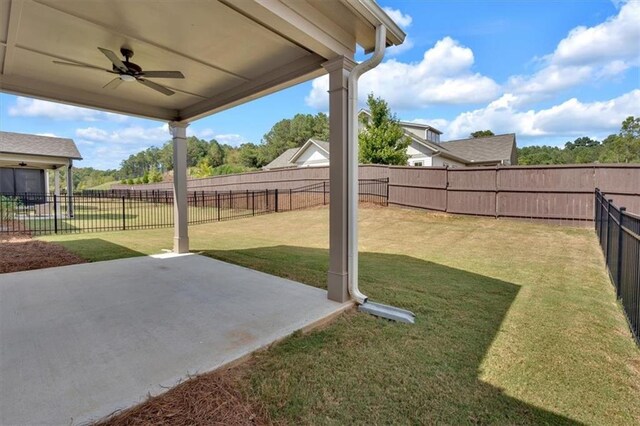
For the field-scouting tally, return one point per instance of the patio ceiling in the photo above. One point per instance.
(229, 51)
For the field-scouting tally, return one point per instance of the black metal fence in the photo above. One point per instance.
(374, 191)
(40, 214)
(619, 235)
(116, 210)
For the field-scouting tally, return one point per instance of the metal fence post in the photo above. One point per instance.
(607, 243)
(290, 199)
(596, 209)
(276, 199)
(124, 214)
(387, 194)
(619, 265)
(218, 204)
(253, 203)
(324, 193)
(55, 213)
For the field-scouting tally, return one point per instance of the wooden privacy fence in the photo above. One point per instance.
(619, 235)
(551, 193)
(560, 193)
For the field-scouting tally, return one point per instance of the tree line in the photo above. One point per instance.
(622, 147)
(381, 141)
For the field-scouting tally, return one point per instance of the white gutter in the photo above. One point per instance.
(352, 166)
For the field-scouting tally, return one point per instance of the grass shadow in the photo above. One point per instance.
(363, 369)
(97, 249)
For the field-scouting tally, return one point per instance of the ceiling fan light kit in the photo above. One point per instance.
(128, 71)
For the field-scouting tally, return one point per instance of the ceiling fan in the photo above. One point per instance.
(128, 71)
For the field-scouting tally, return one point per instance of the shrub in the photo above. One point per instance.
(8, 207)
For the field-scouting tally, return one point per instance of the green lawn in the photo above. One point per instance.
(516, 323)
(106, 185)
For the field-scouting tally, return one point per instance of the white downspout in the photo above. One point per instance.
(352, 166)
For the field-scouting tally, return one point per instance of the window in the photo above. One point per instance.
(418, 164)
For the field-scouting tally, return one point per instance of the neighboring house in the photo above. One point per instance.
(25, 160)
(425, 150)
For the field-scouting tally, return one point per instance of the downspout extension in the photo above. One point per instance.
(352, 167)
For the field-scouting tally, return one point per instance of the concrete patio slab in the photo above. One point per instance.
(78, 342)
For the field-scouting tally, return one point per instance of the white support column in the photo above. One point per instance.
(338, 276)
(46, 182)
(180, 207)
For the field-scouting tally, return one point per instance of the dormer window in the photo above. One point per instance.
(431, 136)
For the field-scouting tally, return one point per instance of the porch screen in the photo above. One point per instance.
(7, 182)
(29, 181)
(21, 181)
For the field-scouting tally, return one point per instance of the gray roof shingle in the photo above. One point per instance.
(487, 149)
(322, 144)
(22, 143)
(283, 160)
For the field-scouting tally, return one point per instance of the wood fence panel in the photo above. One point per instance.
(541, 179)
(472, 191)
(620, 183)
(419, 187)
(470, 179)
(545, 205)
(424, 198)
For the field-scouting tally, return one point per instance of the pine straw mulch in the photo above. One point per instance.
(18, 252)
(208, 399)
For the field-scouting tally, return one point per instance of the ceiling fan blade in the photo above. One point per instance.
(156, 86)
(72, 64)
(114, 59)
(162, 74)
(113, 84)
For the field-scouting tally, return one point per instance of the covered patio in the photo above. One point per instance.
(193, 59)
(148, 322)
(81, 341)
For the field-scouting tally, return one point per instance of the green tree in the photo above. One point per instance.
(382, 140)
(482, 133)
(155, 176)
(203, 169)
(531, 155)
(293, 133)
(252, 155)
(625, 146)
(216, 153)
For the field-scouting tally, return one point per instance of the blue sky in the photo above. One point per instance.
(549, 71)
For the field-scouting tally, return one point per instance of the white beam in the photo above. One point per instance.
(295, 26)
(289, 75)
(180, 207)
(15, 15)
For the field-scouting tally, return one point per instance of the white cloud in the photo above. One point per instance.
(132, 135)
(587, 53)
(404, 20)
(616, 38)
(571, 118)
(443, 76)
(232, 139)
(26, 107)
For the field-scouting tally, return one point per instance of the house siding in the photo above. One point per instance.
(312, 157)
